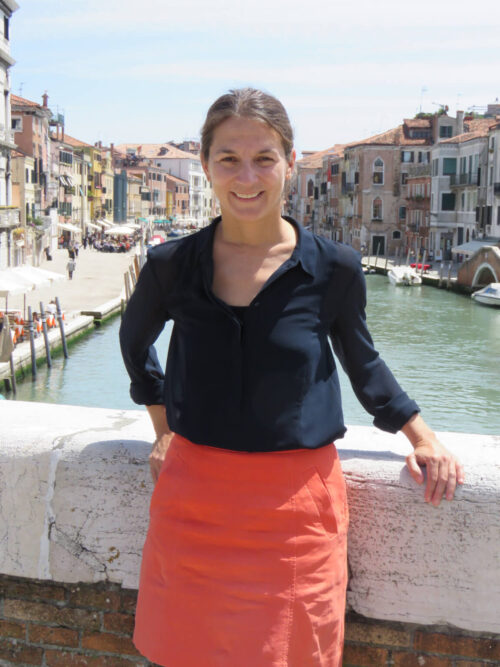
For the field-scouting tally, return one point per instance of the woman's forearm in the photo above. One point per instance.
(158, 415)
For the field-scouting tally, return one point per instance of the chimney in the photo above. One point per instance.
(45, 99)
(460, 122)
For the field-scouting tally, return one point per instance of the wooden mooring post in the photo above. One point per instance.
(61, 328)
(32, 343)
(423, 262)
(45, 332)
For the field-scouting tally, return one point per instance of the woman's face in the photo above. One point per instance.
(248, 168)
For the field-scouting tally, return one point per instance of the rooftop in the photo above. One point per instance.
(153, 151)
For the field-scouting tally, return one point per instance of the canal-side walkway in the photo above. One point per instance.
(439, 272)
(97, 286)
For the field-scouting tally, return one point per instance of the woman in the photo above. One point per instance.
(245, 559)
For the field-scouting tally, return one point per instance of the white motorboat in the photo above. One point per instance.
(403, 275)
(489, 295)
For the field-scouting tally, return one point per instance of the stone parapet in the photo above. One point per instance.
(75, 488)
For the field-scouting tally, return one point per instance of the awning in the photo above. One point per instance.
(65, 181)
(92, 226)
(119, 230)
(104, 223)
(68, 227)
(470, 248)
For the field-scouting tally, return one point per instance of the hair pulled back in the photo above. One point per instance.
(247, 103)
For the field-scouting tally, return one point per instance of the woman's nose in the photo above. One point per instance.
(246, 173)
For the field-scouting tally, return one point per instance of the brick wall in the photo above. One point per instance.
(89, 625)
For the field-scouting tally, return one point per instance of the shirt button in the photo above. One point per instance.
(257, 303)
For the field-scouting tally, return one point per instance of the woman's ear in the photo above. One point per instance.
(204, 165)
(291, 164)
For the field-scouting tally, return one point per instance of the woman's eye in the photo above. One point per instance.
(266, 158)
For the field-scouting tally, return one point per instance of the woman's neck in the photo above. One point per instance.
(263, 233)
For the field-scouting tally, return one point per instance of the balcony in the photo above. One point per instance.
(460, 180)
(9, 217)
(418, 170)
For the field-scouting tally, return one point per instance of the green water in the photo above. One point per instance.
(443, 348)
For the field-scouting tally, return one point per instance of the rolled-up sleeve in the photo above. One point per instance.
(373, 383)
(142, 323)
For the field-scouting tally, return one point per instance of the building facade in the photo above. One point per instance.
(9, 214)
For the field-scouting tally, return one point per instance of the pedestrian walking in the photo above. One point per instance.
(245, 559)
(70, 267)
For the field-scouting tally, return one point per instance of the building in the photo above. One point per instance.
(9, 214)
(460, 178)
(184, 165)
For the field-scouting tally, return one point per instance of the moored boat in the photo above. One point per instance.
(489, 295)
(403, 275)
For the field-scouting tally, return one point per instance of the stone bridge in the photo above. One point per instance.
(480, 269)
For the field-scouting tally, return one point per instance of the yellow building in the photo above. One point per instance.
(94, 177)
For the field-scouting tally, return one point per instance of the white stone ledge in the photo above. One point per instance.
(75, 488)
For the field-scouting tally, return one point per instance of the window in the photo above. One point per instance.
(445, 131)
(310, 188)
(378, 172)
(16, 124)
(448, 201)
(6, 27)
(402, 212)
(435, 167)
(449, 166)
(407, 156)
(334, 169)
(323, 188)
(377, 209)
(396, 235)
(404, 178)
(27, 176)
(463, 165)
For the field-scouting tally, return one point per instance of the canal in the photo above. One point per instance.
(443, 348)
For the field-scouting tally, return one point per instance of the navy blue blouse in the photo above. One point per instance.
(262, 379)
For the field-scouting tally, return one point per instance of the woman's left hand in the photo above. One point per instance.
(444, 471)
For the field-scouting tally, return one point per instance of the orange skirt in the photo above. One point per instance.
(245, 560)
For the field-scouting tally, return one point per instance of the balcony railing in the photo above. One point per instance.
(417, 170)
(9, 217)
(456, 180)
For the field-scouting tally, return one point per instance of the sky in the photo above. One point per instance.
(146, 72)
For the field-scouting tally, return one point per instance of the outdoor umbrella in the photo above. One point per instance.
(10, 284)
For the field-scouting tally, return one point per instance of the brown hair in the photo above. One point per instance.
(247, 103)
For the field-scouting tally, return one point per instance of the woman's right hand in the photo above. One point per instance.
(158, 453)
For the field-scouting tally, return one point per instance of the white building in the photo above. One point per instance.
(9, 216)
(182, 164)
(492, 228)
(459, 181)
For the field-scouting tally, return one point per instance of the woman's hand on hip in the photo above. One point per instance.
(158, 453)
